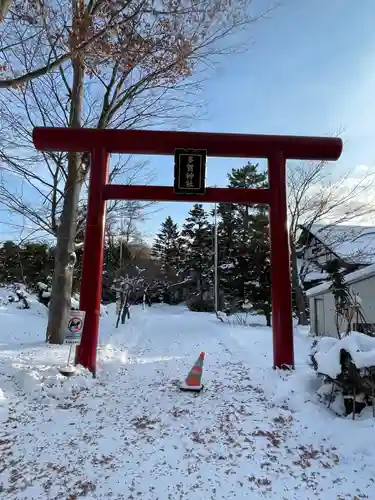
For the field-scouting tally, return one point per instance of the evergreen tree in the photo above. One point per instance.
(260, 250)
(167, 246)
(28, 263)
(235, 235)
(227, 253)
(248, 177)
(11, 264)
(197, 248)
(37, 262)
(116, 257)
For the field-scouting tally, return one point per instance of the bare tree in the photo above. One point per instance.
(99, 20)
(87, 27)
(40, 190)
(116, 65)
(32, 183)
(315, 195)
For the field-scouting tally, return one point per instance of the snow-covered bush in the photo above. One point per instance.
(16, 293)
(43, 291)
(328, 351)
(350, 363)
(44, 296)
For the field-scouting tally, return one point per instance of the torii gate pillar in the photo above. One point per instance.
(277, 149)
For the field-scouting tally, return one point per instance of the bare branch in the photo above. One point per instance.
(138, 64)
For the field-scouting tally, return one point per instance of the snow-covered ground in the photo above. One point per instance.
(132, 434)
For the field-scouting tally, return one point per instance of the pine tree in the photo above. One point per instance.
(116, 257)
(167, 246)
(235, 233)
(197, 235)
(248, 177)
(260, 285)
(28, 263)
(227, 253)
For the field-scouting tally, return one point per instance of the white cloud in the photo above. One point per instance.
(360, 171)
(355, 187)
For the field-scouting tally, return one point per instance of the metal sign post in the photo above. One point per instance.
(72, 338)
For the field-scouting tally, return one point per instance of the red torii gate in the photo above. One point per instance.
(100, 143)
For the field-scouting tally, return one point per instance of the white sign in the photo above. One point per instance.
(75, 326)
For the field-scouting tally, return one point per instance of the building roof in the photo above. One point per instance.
(360, 275)
(353, 244)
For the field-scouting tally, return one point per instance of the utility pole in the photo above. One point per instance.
(121, 238)
(120, 251)
(216, 262)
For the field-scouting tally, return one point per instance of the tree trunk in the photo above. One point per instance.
(65, 257)
(268, 318)
(4, 8)
(337, 320)
(60, 303)
(299, 294)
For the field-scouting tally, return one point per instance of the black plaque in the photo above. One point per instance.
(190, 171)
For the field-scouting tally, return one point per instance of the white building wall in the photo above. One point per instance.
(329, 320)
(366, 290)
(313, 328)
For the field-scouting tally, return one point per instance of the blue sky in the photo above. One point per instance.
(310, 71)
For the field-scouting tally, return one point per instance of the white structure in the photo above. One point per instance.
(322, 305)
(353, 246)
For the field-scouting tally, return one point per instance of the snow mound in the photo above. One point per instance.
(254, 432)
(361, 348)
(75, 305)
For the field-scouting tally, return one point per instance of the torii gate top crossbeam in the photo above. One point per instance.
(155, 142)
(100, 143)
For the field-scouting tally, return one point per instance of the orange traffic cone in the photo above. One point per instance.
(193, 380)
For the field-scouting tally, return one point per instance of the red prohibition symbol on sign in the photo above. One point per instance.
(75, 325)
